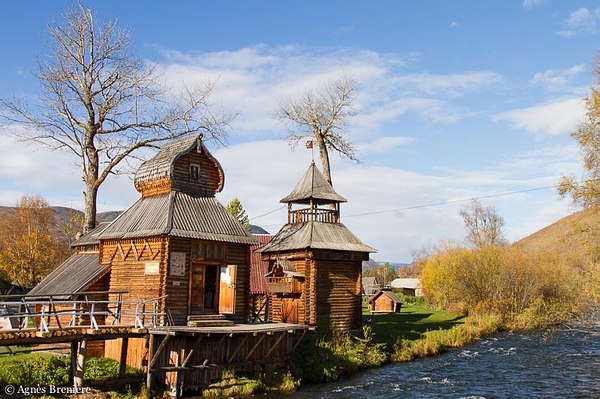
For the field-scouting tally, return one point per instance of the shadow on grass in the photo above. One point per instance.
(411, 323)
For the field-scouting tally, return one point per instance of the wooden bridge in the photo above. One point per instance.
(181, 357)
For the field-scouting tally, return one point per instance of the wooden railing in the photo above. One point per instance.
(285, 284)
(316, 215)
(80, 309)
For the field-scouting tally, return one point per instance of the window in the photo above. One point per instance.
(194, 172)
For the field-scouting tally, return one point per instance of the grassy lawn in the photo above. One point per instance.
(413, 320)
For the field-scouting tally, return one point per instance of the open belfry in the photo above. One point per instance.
(314, 260)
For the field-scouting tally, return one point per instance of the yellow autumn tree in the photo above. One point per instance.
(28, 249)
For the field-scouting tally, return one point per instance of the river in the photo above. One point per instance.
(539, 364)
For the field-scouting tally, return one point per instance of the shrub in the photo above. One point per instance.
(38, 370)
(525, 291)
(331, 354)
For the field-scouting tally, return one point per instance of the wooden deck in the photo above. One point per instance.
(181, 357)
(188, 358)
(234, 329)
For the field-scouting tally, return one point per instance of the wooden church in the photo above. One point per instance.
(178, 241)
(314, 260)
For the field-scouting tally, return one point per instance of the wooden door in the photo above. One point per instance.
(227, 289)
(197, 289)
(289, 311)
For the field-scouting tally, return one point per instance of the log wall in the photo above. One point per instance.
(210, 177)
(332, 289)
(382, 303)
(137, 266)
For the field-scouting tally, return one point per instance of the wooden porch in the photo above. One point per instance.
(183, 358)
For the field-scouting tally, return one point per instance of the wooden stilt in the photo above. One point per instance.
(78, 379)
(153, 358)
(151, 339)
(73, 366)
(123, 360)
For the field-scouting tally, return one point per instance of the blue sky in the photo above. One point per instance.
(456, 100)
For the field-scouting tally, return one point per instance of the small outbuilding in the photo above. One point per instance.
(385, 301)
(409, 286)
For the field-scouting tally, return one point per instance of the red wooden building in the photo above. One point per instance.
(314, 260)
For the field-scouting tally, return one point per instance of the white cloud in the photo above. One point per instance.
(549, 119)
(384, 144)
(261, 173)
(558, 79)
(254, 80)
(529, 4)
(29, 169)
(454, 24)
(580, 21)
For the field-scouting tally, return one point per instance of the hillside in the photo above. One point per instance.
(575, 237)
(68, 221)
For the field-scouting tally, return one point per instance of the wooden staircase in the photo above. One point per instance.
(208, 320)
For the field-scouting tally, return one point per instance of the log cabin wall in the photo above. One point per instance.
(338, 293)
(208, 181)
(177, 286)
(138, 266)
(293, 308)
(383, 304)
(331, 291)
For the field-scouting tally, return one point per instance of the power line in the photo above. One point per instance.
(268, 213)
(429, 205)
(448, 202)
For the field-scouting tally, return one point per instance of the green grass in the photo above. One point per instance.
(413, 320)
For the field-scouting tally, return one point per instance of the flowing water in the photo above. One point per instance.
(540, 364)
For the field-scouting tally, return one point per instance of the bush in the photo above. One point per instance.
(331, 354)
(525, 291)
(38, 370)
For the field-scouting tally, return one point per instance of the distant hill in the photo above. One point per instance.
(69, 221)
(573, 237)
(254, 229)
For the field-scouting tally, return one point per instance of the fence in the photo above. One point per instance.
(80, 309)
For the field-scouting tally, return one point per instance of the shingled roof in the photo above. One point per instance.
(161, 165)
(73, 275)
(180, 215)
(315, 235)
(313, 185)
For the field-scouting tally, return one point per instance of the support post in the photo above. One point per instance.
(123, 360)
(149, 369)
(73, 366)
(78, 379)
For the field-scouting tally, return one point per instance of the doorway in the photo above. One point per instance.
(204, 289)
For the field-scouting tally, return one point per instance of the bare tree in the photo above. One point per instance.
(102, 103)
(322, 114)
(484, 225)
